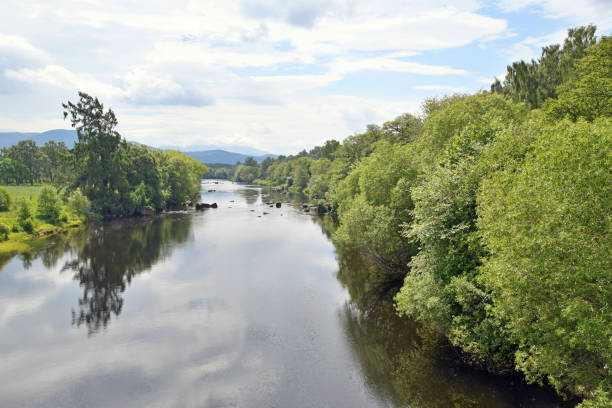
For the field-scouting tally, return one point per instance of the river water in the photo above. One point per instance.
(227, 307)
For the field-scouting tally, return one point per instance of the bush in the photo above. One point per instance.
(78, 203)
(27, 225)
(4, 231)
(24, 217)
(49, 204)
(5, 200)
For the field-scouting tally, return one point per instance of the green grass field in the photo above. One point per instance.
(20, 241)
(18, 193)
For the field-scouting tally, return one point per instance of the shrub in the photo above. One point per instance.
(27, 225)
(49, 204)
(4, 231)
(5, 200)
(24, 217)
(78, 202)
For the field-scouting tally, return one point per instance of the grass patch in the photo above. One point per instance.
(20, 241)
(20, 193)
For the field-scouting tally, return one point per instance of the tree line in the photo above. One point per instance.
(494, 209)
(118, 178)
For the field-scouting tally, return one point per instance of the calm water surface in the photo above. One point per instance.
(228, 307)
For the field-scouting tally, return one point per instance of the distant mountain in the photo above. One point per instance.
(58, 135)
(215, 156)
(224, 157)
(250, 151)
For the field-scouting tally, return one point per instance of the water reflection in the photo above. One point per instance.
(239, 309)
(405, 364)
(107, 257)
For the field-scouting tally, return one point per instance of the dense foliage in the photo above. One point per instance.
(103, 175)
(495, 211)
(121, 178)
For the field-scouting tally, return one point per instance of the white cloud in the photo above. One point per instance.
(16, 51)
(58, 76)
(248, 72)
(581, 12)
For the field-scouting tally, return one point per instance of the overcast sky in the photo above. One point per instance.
(272, 74)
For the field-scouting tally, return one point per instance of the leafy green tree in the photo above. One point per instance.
(265, 164)
(249, 161)
(49, 206)
(536, 81)
(24, 217)
(13, 171)
(29, 155)
(4, 231)
(589, 94)
(403, 129)
(547, 228)
(246, 174)
(57, 158)
(5, 199)
(374, 200)
(328, 149)
(78, 202)
(96, 156)
(182, 176)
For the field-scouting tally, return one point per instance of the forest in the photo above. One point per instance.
(493, 210)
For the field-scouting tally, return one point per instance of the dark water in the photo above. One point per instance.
(221, 308)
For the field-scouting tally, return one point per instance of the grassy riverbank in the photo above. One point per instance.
(20, 241)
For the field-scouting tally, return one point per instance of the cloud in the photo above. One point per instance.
(580, 12)
(140, 87)
(144, 88)
(301, 13)
(214, 71)
(60, 77)
(18, 51)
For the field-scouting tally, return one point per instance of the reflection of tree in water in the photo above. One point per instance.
(403, 364)
(367, 284)
(327, 222)
(110, 255)
(250, 194)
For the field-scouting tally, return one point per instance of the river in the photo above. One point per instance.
(227, 307)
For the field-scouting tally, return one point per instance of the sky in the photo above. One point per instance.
(275, 75)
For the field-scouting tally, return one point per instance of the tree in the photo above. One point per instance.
(5, 199)
(403, 129)
(49, 204)
(57, 158)
(536, 81)
(29, 155)
(24, 217)
(249, 161)
(95, 152)
(589, 94)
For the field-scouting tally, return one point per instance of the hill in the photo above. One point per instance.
(224, 157)
(58, 135)
(214, 156)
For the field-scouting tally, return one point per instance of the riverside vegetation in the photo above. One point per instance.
(102, 176)
(488, 218)
(494, 210)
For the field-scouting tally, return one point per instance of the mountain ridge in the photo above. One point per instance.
(213, 155)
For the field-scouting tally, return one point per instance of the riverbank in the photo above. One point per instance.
(19, 241)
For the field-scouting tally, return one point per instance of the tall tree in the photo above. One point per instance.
(95, 152)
